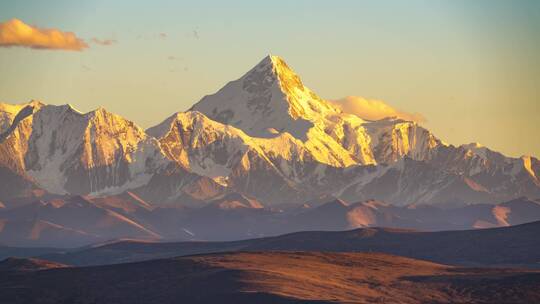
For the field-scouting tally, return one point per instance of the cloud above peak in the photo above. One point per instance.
(373, 109)
(16, 33)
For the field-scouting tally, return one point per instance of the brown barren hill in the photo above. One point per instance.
(273, 277)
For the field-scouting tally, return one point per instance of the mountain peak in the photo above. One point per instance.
(276, 62)
(35, 103)
(269, 99)
(274, 68)
(70, 107)
(271, 59)
(100, 112)
(268, 59)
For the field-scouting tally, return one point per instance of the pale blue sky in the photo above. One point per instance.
(471, 67)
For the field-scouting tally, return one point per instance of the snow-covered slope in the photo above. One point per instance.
(271, 100)
(232, 159)
(391, 139)
(65, 151)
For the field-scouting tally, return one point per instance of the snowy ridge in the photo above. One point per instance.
(58, 145)
(271, 99)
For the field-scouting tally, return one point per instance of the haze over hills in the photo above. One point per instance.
(73, 221)
(515, 246)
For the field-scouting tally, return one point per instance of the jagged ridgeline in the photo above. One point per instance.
(264, 135)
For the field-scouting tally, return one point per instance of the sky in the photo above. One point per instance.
(469, 68)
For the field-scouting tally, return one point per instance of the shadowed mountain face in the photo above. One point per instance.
(273, 277)
(336, 215)
(72, 221)
(508, 246)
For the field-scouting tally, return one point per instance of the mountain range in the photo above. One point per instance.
(261, 192)
(74, 221)
(264, 135)
(262, 156)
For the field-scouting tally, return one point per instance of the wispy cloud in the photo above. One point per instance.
(372, 109)
(104, 42)
(15, 33)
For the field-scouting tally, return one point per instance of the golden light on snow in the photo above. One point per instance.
(17, 33)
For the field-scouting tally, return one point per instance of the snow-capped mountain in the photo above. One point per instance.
(264, 135)
(410, 165)
(270, 100)
(65, 151)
